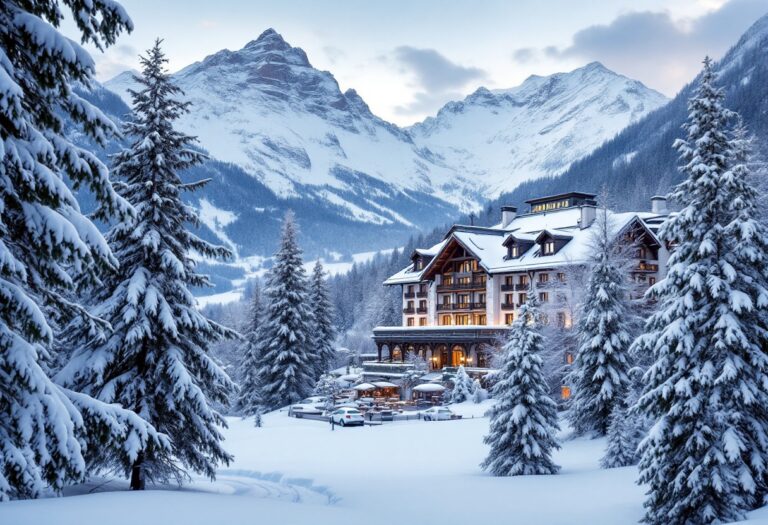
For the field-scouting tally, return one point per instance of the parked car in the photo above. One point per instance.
(437, 414)
(311, 405)
(347, 417)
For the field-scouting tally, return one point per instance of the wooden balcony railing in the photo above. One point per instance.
(410, 310)
(421, 310)
(508, 306)
(646, 267)
(452, 307)
(409, 295)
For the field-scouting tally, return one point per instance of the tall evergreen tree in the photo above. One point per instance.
(249, 402)
(156, 360)
(704, 458)
(524, 418)
(323, 329)
(598, 374)
(287, 368)
(49, 435)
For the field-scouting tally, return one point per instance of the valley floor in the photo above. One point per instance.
(295, 472)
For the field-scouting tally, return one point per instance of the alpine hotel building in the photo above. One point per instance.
(460, 296)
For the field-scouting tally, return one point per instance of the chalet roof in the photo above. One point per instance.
(488, 245)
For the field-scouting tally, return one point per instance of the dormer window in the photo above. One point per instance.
(549, 247)
(514, 251)
(419, 264)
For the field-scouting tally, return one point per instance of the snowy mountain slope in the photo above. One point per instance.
(539, 128)
(640, 161)
(265, 109)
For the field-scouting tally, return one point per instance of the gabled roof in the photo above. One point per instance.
(489, 245)
(553, 234)
(519, 238)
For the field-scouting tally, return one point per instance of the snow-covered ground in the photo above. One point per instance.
(293, 472)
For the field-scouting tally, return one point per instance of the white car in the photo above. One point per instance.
(312, 405)
(437, 414)
(347, 417)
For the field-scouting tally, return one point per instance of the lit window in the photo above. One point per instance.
(543, 277)
(569, 358)
(514, 251)
(409, 321)
(549, 247)
(561, 277)
(509, 318)
(423, 321)
(565, 392)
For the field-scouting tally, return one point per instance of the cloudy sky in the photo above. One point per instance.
(408, 57)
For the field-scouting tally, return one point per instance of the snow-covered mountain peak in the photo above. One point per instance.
(265, 109)
(506, 136)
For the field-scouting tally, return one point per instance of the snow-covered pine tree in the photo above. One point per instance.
(463, 388)
(524, 418)
(287, 368)
(704, 459)
(480, 394)
(323, 330)
(249, 402)
(47, 244)
(156, 360)
(328, 387)
(598, 374)
(622, 436)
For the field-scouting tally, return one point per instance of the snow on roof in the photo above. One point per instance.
(487, 243)
(407, 274)
(429, 387)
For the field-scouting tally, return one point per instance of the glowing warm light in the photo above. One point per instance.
(565, 392)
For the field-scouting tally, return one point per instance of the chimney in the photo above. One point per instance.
(508, 213)
(588, 214)
(659, 205)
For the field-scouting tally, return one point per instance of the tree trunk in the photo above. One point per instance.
(137, 473)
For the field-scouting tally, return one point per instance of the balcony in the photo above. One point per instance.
(508, 306)
(453, 307)
(521, 287)
(507, 287)
(409, 295)
(646, 267)
(409, 310)
(421, 310)
(421, 295)
(474, 285)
